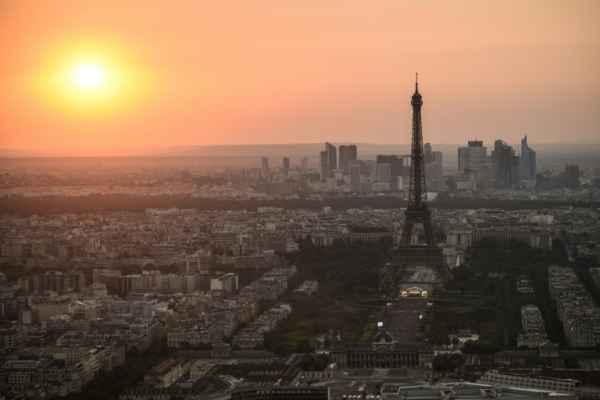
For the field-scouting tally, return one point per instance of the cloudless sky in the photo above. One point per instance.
(279, 71)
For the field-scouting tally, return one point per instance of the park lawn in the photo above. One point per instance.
(315, 315)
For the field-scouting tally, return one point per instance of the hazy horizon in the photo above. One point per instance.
(298, 150)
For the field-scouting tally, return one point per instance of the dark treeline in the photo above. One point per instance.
(45, 205)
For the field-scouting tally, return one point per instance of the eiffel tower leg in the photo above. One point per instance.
(407, 232)
(428, 232)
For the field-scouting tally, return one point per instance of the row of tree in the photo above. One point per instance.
(46, 205)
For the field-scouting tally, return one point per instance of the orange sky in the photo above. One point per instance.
(273, 71)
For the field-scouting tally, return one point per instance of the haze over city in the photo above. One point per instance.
(200, 73)
(300, 200)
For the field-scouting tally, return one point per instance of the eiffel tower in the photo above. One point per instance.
(417, 211)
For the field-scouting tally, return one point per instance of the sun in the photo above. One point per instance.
(89, 82)
(89, 79)
(88, 76)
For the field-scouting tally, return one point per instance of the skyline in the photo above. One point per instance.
(189, 81)
(297, 150)
(307, 199)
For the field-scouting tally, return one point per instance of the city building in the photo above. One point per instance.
(383, 355)
(328, 161)
(527, 162)
(348, 154)
(495, 377)
(575, 307)
(533, 334)
(281, 393)
(285, 166)
(384, 175)
(463, 391)
(355, 174)
(264, 166)
(571, 176)
(304, 164)
(505, 165)
(164, 374)
(54, 281)
(473, 161)
(433, 167)
(228, 283)
(324, 163)
(390, 169)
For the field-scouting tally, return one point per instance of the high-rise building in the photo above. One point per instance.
(397, 168)
(384, 173)
(324, 162)
(433, 167)
(527, 163)
(473, 160)
(304, 163)
(571, 176)
(331, 156)
(348, 154)
(505, 165)
(328, 161)
(355, 172)
(396, 163)
(285, 166)
(264, 165)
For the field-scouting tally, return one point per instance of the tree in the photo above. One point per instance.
(471, 347)
(304, 346)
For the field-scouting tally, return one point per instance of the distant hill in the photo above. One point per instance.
(549, 155)
(9, 153)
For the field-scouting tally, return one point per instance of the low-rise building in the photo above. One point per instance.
(529, 381)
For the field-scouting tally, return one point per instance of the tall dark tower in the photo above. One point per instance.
(417, 211)
(408, 257)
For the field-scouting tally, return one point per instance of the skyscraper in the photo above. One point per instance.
(304, 163)
(324, 162)
(571, 176)
(396, 163)
(473, 160)
(328, 161)
(264, 166)
(331, 156)
(384, 173)
(285, 166)
(527, 163)
(355, 172)
(348, 154)
(433, 167)
(505, 165)
(396, 168)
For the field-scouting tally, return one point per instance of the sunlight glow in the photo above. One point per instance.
(91, 79)
(88, 76)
